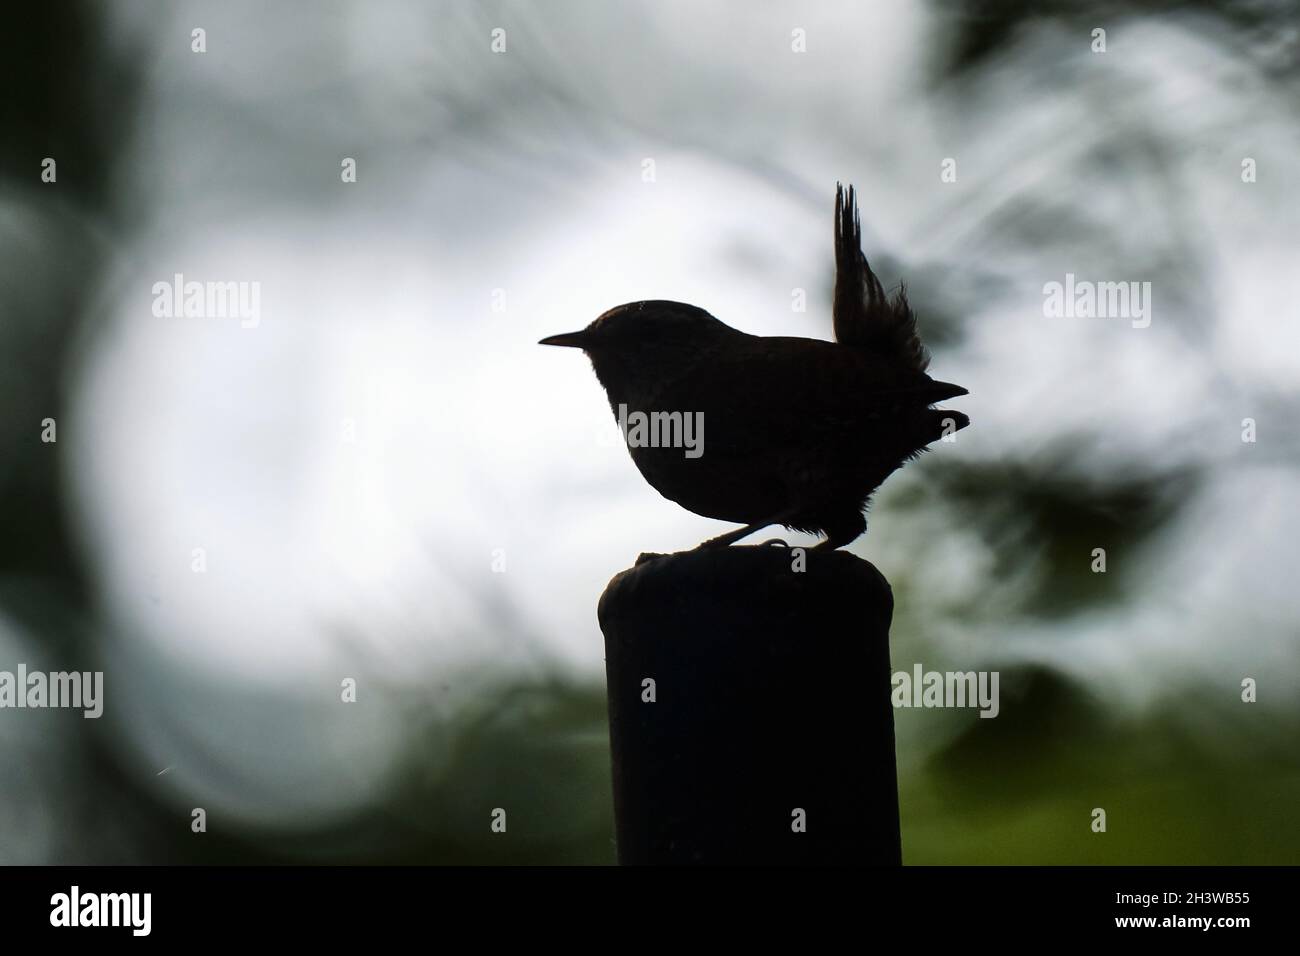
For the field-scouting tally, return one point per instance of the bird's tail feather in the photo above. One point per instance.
(942, 391)
(864, 315)
(942, 422)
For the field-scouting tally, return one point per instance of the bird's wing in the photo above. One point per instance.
(791, 393)
(864, 315)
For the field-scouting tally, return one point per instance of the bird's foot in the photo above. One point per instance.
(723, 540)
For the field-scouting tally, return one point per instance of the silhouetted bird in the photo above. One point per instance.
(797, 432)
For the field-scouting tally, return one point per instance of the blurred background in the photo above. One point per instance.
(390, 482)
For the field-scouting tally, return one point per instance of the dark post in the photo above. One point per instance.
(771, 696)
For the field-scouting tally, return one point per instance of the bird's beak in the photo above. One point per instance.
(575, 340)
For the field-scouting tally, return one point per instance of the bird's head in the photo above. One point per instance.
(636, 346)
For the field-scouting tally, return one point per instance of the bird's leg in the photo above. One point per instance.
(723, 540)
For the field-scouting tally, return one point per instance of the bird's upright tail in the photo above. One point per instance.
(864, 315)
